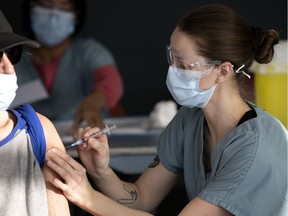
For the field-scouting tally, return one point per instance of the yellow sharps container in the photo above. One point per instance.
(271, 84)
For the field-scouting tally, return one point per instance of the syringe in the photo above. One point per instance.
(105, 130)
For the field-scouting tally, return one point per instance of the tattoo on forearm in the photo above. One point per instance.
(133, 196)
(155, 162)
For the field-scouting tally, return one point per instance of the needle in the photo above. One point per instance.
(105, 130)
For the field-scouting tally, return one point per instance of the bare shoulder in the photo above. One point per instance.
(52, 137)
(57, 203)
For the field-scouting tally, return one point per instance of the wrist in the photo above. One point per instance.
(90, 205)
(101, 176)
(98, 99)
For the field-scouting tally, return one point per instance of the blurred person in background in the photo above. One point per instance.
(79, 74)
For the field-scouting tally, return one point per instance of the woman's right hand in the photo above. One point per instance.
(94, 153)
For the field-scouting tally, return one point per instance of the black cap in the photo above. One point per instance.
(9, 39)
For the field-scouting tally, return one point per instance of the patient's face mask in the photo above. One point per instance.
(8, 87)
(52, 26)
(184, 87)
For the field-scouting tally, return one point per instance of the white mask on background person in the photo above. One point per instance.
(184, 87)
(8, 87)
(52, 26)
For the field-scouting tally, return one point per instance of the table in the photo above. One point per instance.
(132, 144)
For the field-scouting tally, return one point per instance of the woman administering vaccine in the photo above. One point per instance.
(232, 154)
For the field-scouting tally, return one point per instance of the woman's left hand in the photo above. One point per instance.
(73, 182)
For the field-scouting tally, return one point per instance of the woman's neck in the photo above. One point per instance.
(221, 120)
(46, 55)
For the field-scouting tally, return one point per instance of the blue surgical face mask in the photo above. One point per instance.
(184, 87)
(52, 26)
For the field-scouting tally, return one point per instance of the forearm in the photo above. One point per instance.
(104, 206)
(96, 100)
(124, 193)
(108, 81)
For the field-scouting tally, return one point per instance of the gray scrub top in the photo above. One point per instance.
(249, 166)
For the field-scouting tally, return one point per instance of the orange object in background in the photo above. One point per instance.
(271, 84)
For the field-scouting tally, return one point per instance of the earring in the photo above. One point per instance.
(217, 80)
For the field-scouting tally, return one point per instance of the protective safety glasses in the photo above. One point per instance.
(14, 54)
(178, 62)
